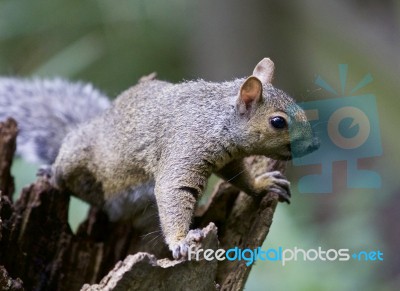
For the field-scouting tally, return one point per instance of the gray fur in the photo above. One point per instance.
(175, 135)
(137, 204)
(172, 137)
(45, 111)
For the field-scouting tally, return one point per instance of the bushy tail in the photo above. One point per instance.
(45, 111)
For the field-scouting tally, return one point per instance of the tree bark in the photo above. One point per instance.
(39, 250)
(8, 134)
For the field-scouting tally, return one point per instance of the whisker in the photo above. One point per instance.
(154, 241)
(150, 233)
(235, 176)
(319, 123)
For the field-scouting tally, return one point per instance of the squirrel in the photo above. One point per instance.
(158, 139)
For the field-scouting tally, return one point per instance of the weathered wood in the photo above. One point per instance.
(143, 271)
(243, 221)
(8, 133)
(7, 283)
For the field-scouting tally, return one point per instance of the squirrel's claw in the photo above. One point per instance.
(276, 182)
(181, 249)
(284, 196)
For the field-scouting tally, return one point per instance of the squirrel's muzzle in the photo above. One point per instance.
(303, 147)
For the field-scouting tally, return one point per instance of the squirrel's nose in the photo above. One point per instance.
(315, 144)
(303, 147)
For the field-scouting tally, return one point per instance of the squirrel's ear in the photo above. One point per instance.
(264, 71)
(250, 94)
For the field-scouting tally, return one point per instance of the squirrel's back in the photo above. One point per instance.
(145, 125)
(47, 110)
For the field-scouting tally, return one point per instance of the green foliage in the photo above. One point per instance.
(108, 43)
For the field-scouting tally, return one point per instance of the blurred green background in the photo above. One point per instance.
(112, 43)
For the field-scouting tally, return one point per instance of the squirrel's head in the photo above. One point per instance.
(275, 123)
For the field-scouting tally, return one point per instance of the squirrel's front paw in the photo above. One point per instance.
(276, 182)
(180, 250)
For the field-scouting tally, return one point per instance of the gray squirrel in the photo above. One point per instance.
(157, 137)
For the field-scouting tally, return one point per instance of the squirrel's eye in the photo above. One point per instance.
(278, 122)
